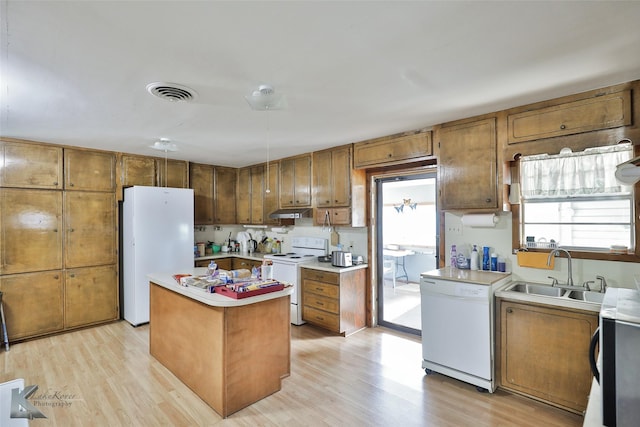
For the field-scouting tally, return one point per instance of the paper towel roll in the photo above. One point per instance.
(480, 220)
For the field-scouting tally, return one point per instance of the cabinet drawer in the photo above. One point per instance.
(601, 112)
(321, 276)
(322, 303)
(320, 288)
(321, 318)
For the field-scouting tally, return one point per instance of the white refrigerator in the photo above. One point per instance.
(157, 237)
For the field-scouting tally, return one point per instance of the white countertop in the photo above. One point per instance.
(315, 264)
(167, 281)
(478, 277)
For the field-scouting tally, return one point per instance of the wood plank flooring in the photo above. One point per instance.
(104, 376)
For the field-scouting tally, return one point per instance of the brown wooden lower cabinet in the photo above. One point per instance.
(544, 352)
(334, 301)
(32, 303)
(90, 295)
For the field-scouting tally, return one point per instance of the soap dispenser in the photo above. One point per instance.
(474, 258)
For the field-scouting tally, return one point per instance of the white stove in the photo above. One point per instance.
(285, 268)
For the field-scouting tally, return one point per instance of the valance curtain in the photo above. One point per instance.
(587, 173)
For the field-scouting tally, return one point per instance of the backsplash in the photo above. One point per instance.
(352, 239)
(617, 274)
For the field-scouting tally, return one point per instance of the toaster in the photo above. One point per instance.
(341, 259)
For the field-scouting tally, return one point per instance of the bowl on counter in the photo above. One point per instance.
(215, 248)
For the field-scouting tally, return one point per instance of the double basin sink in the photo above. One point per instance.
(551, 291)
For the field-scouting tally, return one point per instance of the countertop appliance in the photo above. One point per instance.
(286, 268)
(457, 329)
(619, 336)
(341, 259)
(157, 237)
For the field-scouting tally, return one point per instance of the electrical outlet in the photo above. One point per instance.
(217, 228)
(453, 229)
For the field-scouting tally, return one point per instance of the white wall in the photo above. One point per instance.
(617, 274)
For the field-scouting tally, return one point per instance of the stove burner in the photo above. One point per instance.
(295, 256)
(290, 253)
(308, 255)
(279, 255)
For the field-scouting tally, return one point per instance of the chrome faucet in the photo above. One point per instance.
(603, 283)
(556, 252)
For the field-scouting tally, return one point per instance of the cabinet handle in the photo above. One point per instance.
(509, 310)
(488, 200)
(55, 183)
(71, 184)
(55, 276)
(318, 289)
(72, 275)
(563, 127)
(327, 201)
(71, 230)
(319, 303)
(389, 155)
(55, 230)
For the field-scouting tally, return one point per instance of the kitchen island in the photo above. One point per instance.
(230, 352)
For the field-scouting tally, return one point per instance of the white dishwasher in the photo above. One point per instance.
(458, 324)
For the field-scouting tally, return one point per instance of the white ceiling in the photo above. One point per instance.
(75, 72)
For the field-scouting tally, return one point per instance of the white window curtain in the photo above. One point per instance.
(587, 173)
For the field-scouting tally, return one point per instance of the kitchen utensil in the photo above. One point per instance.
(341, 259)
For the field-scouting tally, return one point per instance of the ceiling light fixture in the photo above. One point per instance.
(264, 97)
(164, 144)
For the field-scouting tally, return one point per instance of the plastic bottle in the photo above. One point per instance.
(494, 262)
(454, 257)
(486, 259)
(474, 258)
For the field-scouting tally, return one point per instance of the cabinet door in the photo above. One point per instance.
(202, 185)
(393, 149)
(467, 166)
(302, 176)
(90, 229)
(243, 196)
(91, 296)
(225, 195)
(172, 173)
(224, 263)
(341, 177)
(30, 230)
(89, 170)
(138, 170)
(257, 195)
(323, 173)
(272, 197)
(600, 112)
(32, 303)
(238, 263)
(287, 183)
(544, 353)
(30, 166)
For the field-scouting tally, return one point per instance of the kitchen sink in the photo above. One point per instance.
(532, 289)
(588, 296)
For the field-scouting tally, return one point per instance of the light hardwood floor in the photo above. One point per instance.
(104, 376)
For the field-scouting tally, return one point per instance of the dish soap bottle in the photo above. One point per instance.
(474, 258)
(454, 257)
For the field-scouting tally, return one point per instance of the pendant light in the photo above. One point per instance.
(165, 144)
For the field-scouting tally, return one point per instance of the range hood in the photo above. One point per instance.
(292, 213)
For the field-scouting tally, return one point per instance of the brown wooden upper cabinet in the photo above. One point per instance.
(201, 181)
(272, 191)
(30, 165)
(467, 165)
(224, 195)
(89, 170)
(600, 111)
(339, 189)
(30, 230)
(172, 173)
(90, 229)
(250, 195)
(393, 149)
(214, 191)
(137, 170)
(295, 181)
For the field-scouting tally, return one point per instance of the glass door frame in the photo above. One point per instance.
(377, 241)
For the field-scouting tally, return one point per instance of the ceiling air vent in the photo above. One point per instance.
(171, 91)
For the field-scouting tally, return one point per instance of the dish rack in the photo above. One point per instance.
(542, 245)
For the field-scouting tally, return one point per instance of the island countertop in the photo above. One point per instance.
(167, 281)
